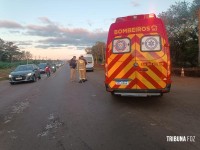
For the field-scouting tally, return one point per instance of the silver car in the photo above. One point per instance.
(24, 73)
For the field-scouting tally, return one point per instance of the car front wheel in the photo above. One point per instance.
(34, 78)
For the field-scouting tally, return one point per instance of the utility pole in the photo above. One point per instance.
(199, 34)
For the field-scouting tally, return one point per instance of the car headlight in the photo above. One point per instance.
(10, 76)
(29, 74)
(53, 67)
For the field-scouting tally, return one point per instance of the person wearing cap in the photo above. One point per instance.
(81, 68)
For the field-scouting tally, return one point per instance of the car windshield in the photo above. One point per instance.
(88, 59)
(42, 66)
(24, 68)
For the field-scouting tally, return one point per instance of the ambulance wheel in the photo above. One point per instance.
(161, 94)
(113, 93)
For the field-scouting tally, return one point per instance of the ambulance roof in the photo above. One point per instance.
(136, 17)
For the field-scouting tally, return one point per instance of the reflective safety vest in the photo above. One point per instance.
(81, 64)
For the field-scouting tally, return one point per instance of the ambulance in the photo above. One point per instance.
(138, 57)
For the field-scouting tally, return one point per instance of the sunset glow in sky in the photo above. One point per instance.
(59, 29)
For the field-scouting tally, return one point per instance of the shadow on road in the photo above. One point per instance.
(140, 102)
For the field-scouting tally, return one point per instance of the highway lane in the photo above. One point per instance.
(56, 114)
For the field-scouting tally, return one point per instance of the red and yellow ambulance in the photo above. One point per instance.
(138, 57)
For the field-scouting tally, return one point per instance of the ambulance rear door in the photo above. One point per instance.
(151, 58)
(121, 60)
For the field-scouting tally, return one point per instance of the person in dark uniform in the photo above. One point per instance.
(73, 65)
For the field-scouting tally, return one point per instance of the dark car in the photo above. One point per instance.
(24, 73)
(42, 67)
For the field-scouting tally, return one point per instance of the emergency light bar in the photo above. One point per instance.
(135, 17)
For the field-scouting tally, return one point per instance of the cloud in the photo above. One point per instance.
(135, 3)
(71, 47)
(24, 43)
(57, 34)
(45, 20)
(77, 37)
(89, 22)
(44, 31)
(15, 32)
(54, 35)
(49, 46)
(10, 24)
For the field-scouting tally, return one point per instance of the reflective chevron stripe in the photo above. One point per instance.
(121, 66)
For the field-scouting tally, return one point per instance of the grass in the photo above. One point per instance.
(5, 65)
(6, 68)
(4, 73)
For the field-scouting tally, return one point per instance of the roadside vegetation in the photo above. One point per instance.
(4, 73)
(181, 21)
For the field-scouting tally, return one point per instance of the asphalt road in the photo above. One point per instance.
(56, 114)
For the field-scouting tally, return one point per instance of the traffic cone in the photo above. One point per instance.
(182, 72)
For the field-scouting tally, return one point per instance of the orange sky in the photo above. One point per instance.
(60, 53)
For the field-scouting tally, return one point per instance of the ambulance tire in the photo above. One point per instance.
(161, 94)
(113, 94)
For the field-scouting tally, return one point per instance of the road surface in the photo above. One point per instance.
(56, 114)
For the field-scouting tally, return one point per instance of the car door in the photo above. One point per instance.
(150, 61)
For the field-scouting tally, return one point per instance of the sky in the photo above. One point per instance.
(59, 29)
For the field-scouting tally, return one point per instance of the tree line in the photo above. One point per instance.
(98, 52)
(9, 52)
(181, 21)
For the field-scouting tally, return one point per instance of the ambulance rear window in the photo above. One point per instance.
(151, 43)
(121, 45)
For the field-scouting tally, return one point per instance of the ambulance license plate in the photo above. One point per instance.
(121, 82)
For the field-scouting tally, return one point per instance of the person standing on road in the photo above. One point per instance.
(73, 65)
(48, 70)
(81, 69)
(85, 67)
